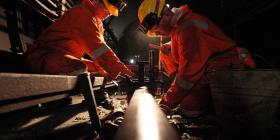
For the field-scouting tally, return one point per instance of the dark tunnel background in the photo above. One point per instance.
(252, 24)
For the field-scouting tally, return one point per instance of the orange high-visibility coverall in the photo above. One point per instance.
(198, 46)
(60, 49)
(167, 61)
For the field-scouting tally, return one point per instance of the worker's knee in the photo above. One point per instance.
(63, 64)
(191, 113)
(197, 101)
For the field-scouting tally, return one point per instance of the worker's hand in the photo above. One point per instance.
(165, 49)
(166, 109)
(123, 78)
(155, 46)
(130, 74)
(174, 96)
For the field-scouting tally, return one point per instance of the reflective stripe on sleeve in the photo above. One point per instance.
(183, 83)
(99, 51)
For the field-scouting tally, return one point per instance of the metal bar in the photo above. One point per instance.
(31, 3)
(17, 85)
(161, 45)
(141, 70)
(151, 59)
(20, 91)
(144, 120)
(13, 18)
(151, 65)
(87, 90)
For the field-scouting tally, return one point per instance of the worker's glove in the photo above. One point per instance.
(165, 49)
(166, 109)
(164, 106)
(129, 84)
(123, 77)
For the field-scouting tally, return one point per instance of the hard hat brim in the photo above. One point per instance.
(151, 34)
(112, 9)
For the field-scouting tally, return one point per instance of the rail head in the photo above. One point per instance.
(144, 120)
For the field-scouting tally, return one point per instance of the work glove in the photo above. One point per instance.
(165, 49)
(174, 96)
(166, 109)
(130, 85)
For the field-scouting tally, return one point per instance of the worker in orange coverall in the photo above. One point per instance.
(79, 32)
(197, 46)
(165, 56)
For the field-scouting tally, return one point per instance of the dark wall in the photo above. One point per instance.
(133, 42)
(253, 24)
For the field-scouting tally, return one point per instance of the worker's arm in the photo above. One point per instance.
(94, 45)
(190, 67)
(165, 48)
(166, 58)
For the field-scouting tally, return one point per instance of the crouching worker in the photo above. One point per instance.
(61, 47)
(79, 32)
(197, 46)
